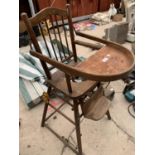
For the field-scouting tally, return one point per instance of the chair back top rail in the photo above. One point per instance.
(41, 15)
(56, 44)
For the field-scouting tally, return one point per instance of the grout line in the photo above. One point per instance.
(70, 136)
(131, 138)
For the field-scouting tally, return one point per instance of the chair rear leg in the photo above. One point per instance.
(77, 125)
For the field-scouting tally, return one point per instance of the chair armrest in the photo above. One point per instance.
(109, 43)
(86, 44)
(74, 71)
(69, 69)
(94, 38)
(91, 37)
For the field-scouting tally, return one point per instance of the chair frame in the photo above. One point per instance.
(75, 105)
(29, 22)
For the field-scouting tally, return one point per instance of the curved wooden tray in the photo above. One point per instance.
(110, 63)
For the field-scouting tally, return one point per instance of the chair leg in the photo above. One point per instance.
(77, 125)
(44, 115)
(108, 114)
(45, 110)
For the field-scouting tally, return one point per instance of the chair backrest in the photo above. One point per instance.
(52, 42)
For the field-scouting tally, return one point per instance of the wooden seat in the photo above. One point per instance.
(78, 88)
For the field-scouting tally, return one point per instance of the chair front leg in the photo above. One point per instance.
(77, 126)
(44, 115)
(46, 100)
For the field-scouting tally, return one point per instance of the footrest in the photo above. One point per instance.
(97, 106)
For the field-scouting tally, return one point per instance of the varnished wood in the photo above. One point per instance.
(108, 61)
(77, 121)
(97, 106)
(86, 44)
(34, 40)
(45, 110)
(60, 38)
(42, 16)
(71, 31)
(50, 38)
(78, 89)
(65, 33)
(22, 27)
(86, 93)
(41, 30)
(68, 82)
(79, 70)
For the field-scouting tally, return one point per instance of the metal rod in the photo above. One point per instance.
(66, 143)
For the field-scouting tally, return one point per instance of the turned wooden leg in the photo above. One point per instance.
(77, 125)
(44, 115)
(45, 107)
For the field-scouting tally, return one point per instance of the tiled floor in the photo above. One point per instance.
(104, 137)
